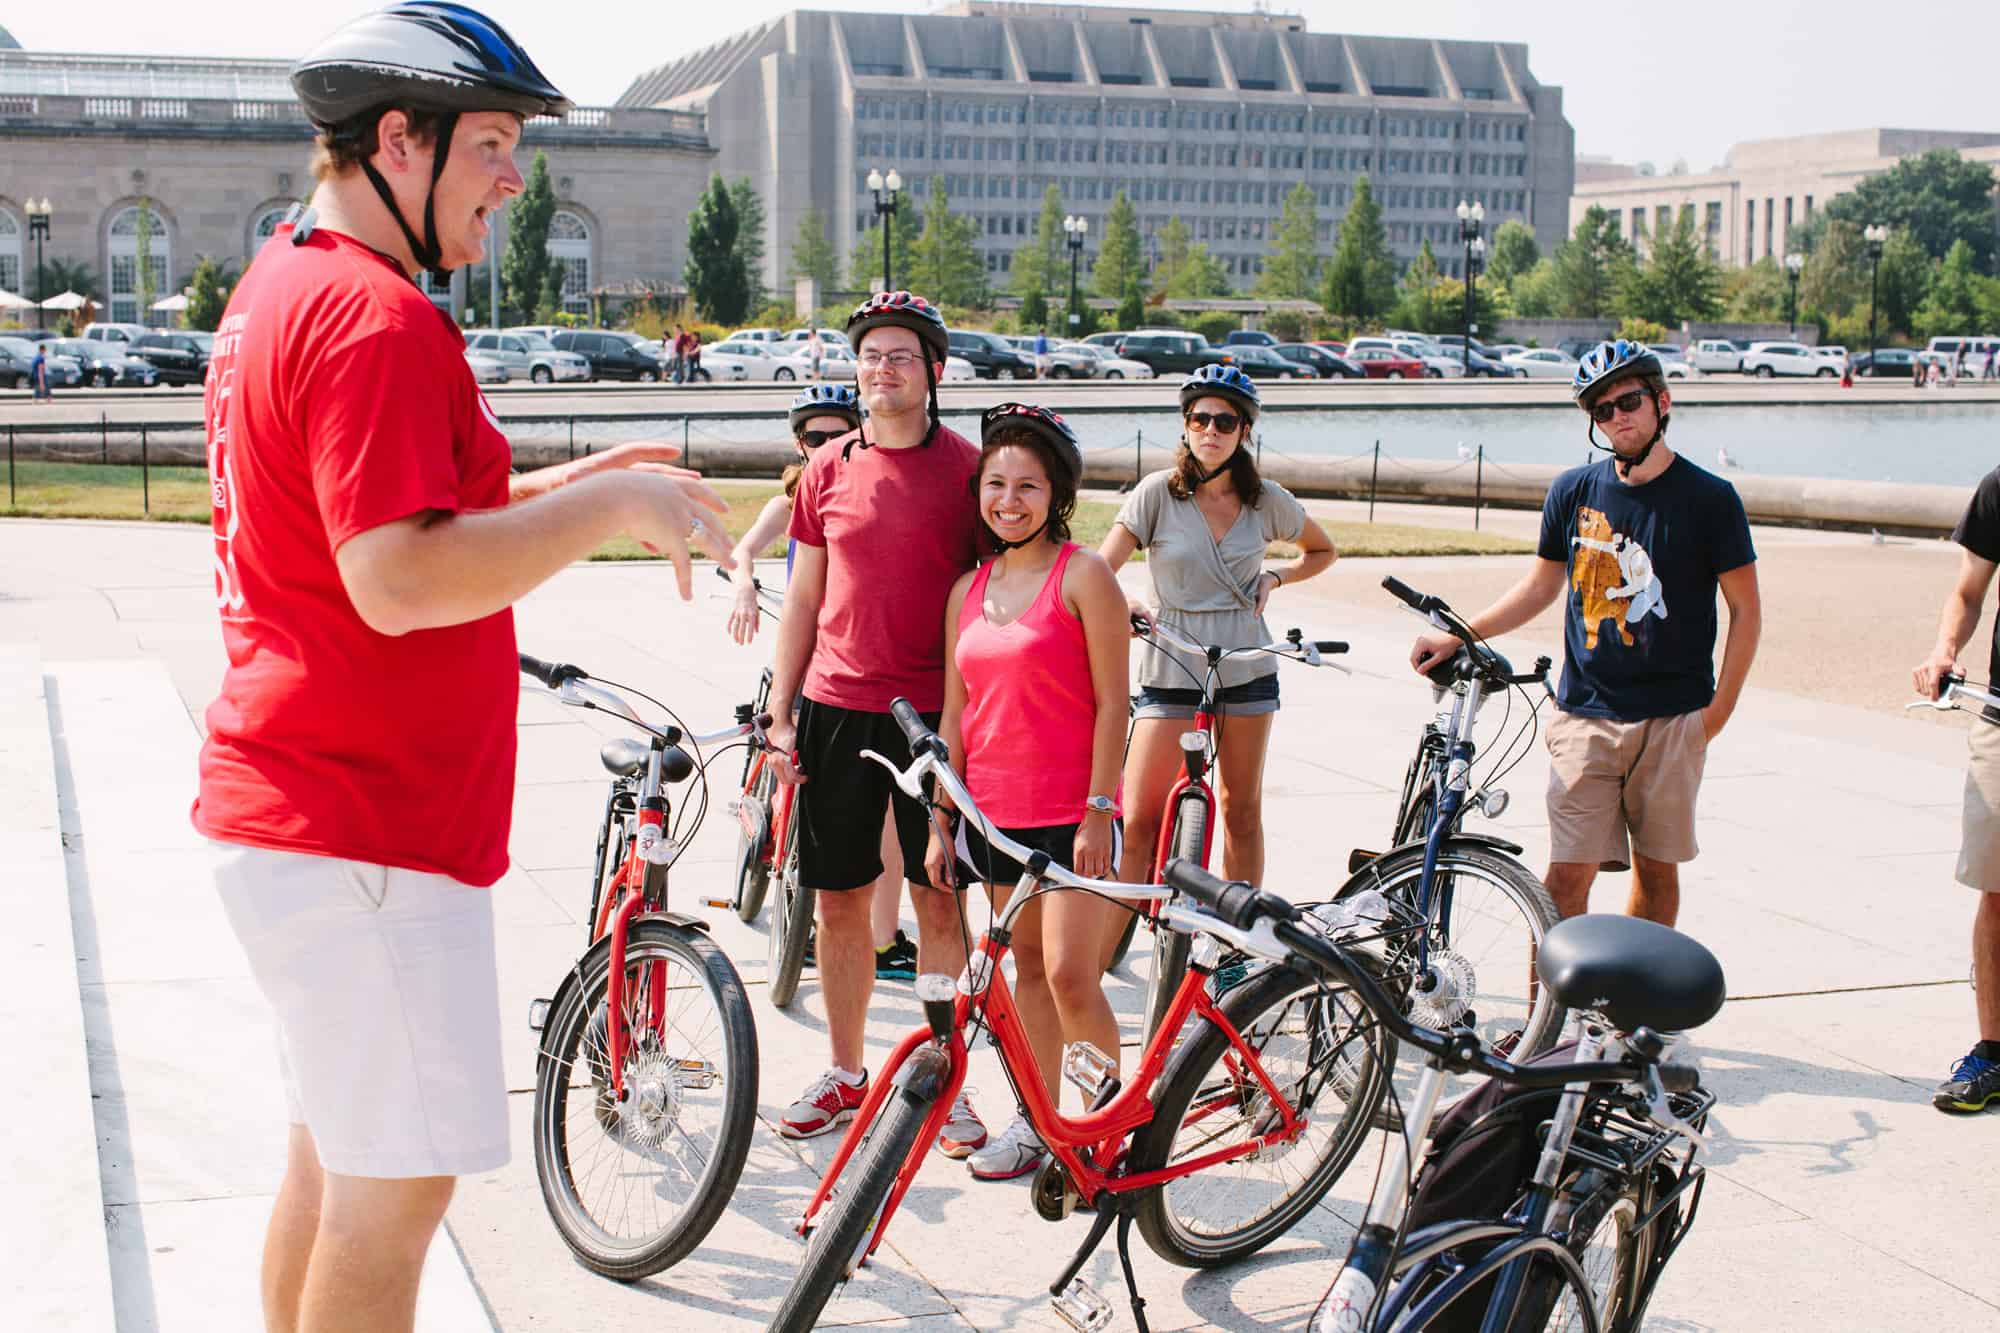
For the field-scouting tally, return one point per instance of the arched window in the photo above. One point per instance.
(127, 305)
(267, 225)
(569, 248)
(10, 252)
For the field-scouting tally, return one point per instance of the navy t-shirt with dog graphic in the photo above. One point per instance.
(1643, 564)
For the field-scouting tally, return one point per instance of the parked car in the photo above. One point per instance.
(1170, 351)
(1574, 348)
(539, 330)
(1328, 345)
(64, 372)
(1066, 361)
(107, 363)
(1973, 345)
(1249, 338)
(1766, 360)
(114, 333)
(1111, 366)
(1837, 354)
(836, 362)
(1673, 361)
(756, 335)
(1436, 364)
(828, 336)
(181, 358)
(1263, 363)
(1386, 363)
(13, 366)
(1886, 363)
(530, 356)
(1108, 340)
(1543, 363)
(486, 367)
(759, 361)
(1715, 355)
(1327, 365)
(957, 370)
(612, 356)
(991, 355)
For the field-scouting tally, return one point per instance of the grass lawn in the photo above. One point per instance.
(180, 495)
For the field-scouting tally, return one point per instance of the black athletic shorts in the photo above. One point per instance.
(981, 863)
(841, 803)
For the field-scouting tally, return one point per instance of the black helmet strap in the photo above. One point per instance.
(427, 252)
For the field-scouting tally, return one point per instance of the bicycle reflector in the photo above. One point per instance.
(939, 994)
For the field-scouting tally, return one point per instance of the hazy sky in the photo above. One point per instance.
(1645, 82)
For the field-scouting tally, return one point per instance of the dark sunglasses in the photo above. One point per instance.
(1222, 421)
(1604, 409)
(813, 439)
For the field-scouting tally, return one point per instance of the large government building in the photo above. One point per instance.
(1209, 116)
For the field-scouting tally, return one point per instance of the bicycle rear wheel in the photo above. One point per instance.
(791, 917)
(634, 1185)
(849, 1217)
(1170, 947)
(1614, 1252)
(1328, 1057)
(753, 845)
(1124, 945)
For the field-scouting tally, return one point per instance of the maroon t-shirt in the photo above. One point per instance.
(898, 526)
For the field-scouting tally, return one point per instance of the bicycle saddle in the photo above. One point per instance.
(1636, 973)
(625, 757)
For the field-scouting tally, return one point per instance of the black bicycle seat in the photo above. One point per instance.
(623, 757)
(1636, 973)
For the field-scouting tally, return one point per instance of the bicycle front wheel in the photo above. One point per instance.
(849, 1218)
(1170, 947)
(1327, 1056)
(633, 1185)
(791, 917)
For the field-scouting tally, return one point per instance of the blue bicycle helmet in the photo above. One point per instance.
(1609, 362)
(1224, 381)
(825, 400)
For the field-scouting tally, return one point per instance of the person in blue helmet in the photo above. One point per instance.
(1639, 543)
(1206, 524)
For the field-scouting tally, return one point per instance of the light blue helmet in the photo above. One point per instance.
(825, 400)
(1226, 381)
(1609, 362)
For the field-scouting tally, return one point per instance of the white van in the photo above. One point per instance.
(1974, 345)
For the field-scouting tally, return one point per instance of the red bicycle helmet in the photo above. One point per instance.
(904, 311)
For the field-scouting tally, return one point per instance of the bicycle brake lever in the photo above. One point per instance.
(1936, 705)
(911, 785)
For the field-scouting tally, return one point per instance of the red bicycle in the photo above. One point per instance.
(646, 1072)
(1242, 1113)
(1187, 823)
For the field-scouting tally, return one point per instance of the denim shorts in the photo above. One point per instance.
(1249, 699)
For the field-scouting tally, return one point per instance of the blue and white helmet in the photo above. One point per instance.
(425, 53)
(1609, 362)
(825, 400)
(1224, 381)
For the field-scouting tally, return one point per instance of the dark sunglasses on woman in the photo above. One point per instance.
(813, 439)
(1222, 421)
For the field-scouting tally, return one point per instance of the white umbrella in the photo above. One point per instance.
(67, 301)
(9, 301)
(173, 304)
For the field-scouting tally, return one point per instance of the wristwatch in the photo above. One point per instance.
(1102, 805)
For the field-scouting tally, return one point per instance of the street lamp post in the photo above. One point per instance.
(1471, 223)
(1074, 227)
(886, 189)
(38, 228)
(1793, 263)
(1875, 236)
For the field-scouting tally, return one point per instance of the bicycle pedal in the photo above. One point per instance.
(698, 1074)
(538, 1014)
(1082, 1308)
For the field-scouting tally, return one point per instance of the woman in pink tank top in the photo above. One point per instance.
(1036, 680)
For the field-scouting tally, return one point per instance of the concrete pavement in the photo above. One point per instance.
(1838, 1199)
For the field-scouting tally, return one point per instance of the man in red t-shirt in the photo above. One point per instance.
(885, 523)
(358, 775)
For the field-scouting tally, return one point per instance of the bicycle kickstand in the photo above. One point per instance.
(1125, 1262)
(1079, 1304)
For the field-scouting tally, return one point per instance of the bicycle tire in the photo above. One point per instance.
(753, 867)
(1124, 945)
(791, 918)
(1273, 1010)
(1466, 1310)
(1170, 947)
(1609, 1212)
(1416, 822)
(694, 961)
(849, 1217)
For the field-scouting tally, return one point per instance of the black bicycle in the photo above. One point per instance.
(1613, 1185)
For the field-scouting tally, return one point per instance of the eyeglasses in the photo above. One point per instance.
(1221, 421)
(900, 360)
(1603, 410)
(813, 439)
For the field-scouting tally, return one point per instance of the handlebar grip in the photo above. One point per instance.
(914, 728)
(1680, 1078)
(1141, 625)
(551, 674)
(1403, 592)
(1329, 645)
(1232, 900)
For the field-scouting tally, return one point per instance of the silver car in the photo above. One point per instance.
(530, 356)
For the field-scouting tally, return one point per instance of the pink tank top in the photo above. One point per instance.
(1030, 710)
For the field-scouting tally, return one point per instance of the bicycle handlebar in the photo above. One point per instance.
(1294, 645)
(551, 674)
(1953, 687)
(1487, 664)
(572, 686)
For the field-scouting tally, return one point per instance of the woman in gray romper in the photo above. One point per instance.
(1205, 524)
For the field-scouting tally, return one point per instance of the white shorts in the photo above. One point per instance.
(387, 1001)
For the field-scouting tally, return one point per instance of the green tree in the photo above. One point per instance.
(1132, 308)
(715, 275)
(945, 266)
(1514, 251)
(1755, 293)
(813, 255)
(1902, 281)
(58, 276)
(865, 267)
(1954, 304)
(1037, 262)
(205, 296)
(1421, 304)
(1361, 279)
(1679, 281)
(148, 287)
(1119, 261)
(524, 271)
(1938, 197)
(1174, 243)
(1834, 278)
(1200, 276)
(750, 234)
(1292, 271)
(1591, 267)
(1532, 294)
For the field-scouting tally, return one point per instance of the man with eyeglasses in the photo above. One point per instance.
(1639, 542)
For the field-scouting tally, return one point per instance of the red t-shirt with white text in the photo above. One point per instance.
(899, 526)
(339, 400)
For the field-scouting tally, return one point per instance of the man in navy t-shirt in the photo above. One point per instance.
(1639, 544)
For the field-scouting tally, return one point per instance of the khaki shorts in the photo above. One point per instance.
(1979, 852)
(1621, 787)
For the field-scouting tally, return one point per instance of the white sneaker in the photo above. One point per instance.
(963, 1133)
(1016, 1152)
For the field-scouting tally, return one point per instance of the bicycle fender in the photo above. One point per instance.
(1458, 839)
(573, 978)
(925, 1073)
(686, 922)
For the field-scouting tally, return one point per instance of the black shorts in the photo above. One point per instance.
(842, 800)
(978, 862)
